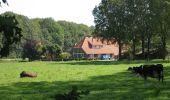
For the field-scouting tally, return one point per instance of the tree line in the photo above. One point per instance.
(39, 37)
(142, 25)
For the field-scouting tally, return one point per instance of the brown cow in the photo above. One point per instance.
(27, 74)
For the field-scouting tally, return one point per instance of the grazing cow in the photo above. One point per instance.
(154, 71)
(137, 70)
(27, 74)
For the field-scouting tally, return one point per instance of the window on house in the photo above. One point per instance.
(100, 46)
(97, 46)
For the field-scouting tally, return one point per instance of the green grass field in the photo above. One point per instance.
(105, 80)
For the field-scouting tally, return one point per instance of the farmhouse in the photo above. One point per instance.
(94, 48)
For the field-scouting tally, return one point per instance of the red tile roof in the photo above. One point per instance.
(79, 45)
(105, 49)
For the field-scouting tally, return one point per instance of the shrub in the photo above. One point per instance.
(74, 94)
(65, 55)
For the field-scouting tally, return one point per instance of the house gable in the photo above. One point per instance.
(94, 46)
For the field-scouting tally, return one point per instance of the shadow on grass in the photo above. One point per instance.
(119, 86)
(113, 62)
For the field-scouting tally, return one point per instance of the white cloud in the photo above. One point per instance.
(79, 11)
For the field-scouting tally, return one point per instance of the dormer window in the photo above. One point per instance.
(97, 46)
(100, 46)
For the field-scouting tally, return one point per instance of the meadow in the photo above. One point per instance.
(106, 80)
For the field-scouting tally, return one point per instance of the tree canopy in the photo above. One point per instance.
(135, 23)
(10, 33)
(46, 31)
(73, 33)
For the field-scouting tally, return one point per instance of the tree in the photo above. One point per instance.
(78, 31)
(139, 15)
(162, 19)
(65, 56)
(10, 33)
(46, 30)
(53, 51)
(134, 22)
(110, 21)
(52, 32)
(33, 50)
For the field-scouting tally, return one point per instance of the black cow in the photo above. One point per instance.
(137, 70)
(154, 71)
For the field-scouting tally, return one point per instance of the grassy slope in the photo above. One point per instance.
(105, 80)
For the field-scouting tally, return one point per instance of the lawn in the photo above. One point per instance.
(105, 80)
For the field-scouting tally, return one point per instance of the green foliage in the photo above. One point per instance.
(73, 33)
(110, 21)
(32, 49)
(28, 28)
(52, 32)
(74, 94)
(65, 55)
(48, 32)
(10, 33)
(53, 52)
(134, 22)
(29, 32)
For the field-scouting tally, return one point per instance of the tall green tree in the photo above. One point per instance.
(162, 20)
(29, 31)
(134, 22)
(110, 20)
(32, 49)
(133, 14)
(10, 33)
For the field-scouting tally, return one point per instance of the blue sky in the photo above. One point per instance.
(79, 11)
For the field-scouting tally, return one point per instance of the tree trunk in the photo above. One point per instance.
(143, 46)
(148, 47)
(164, 47)
(120, 48)
(163, 39)
(134, 49)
